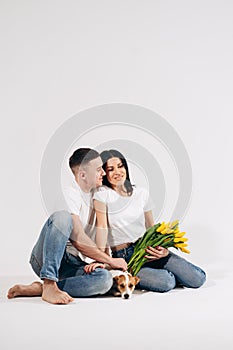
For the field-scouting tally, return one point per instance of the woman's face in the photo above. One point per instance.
(115, 172)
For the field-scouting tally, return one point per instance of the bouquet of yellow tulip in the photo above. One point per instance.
(164, 235)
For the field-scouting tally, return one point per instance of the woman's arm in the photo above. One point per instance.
(101, 225)
(157, 252)
(149, 220)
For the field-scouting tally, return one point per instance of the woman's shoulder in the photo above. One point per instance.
(102, 193)
(140, 190)
(142, 194)
(102, 189)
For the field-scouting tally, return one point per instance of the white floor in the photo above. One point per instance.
(181, 319)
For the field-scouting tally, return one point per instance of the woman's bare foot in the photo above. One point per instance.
(52, 294)
(21, 290)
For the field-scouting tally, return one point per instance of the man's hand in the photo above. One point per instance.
(156, 253)
(118, 263)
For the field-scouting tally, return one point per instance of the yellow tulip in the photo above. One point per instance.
(179, 245)
(170, 230)
(164, 231)
(180, 234)
(173, 237)
(176, 240)
(174, 223)
(184, 250)
(161, 227)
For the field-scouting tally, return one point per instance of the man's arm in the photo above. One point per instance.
(86, 246)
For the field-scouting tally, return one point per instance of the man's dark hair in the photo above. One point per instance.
(82, 156)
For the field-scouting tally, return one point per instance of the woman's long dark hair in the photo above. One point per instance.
(112, 153)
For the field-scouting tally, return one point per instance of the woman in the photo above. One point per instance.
(123, 213)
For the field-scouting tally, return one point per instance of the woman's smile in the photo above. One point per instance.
(116, 172)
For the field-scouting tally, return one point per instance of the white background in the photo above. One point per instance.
(173, 57)
(58, 58)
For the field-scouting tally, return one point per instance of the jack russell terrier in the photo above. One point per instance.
(123, 284)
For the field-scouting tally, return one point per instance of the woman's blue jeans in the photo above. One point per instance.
(166, 273)
(50, 260)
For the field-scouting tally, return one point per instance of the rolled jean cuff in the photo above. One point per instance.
(37, 269)
(51, 278)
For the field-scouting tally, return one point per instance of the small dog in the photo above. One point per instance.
(123, 284)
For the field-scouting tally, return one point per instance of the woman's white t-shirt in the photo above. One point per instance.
(125, 213)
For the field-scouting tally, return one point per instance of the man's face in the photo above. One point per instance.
(94, 172)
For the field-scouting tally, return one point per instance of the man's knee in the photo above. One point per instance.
(105, 280)
(62, 220)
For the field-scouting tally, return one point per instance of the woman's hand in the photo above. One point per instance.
(92, 266)
(156, 253)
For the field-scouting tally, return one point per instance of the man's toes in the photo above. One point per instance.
(68, 297)
(63, 301)
(11, 293)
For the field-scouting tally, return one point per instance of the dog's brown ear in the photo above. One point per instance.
(136, 280)
(116, 278)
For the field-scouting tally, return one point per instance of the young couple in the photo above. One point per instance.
(122, 212)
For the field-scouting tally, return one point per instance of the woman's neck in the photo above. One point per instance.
(121, 190)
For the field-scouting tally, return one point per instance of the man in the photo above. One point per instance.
(55, 258)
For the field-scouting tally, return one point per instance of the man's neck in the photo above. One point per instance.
(84, 187)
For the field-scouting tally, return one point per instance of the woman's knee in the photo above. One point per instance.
(168, 282)
(157, 280)
(198, 279)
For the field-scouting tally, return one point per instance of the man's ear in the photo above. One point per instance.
(82, 174)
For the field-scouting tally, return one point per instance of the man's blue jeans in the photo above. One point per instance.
(166, 273)
(50, 260)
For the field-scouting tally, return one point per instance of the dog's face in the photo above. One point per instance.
(125, 284)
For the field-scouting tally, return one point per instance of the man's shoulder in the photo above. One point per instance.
(72, 191)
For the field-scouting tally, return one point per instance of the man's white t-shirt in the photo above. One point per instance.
(80, 203)
(125, 213)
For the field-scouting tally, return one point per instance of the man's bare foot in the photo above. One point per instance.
(52, 294)
(21, 290)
